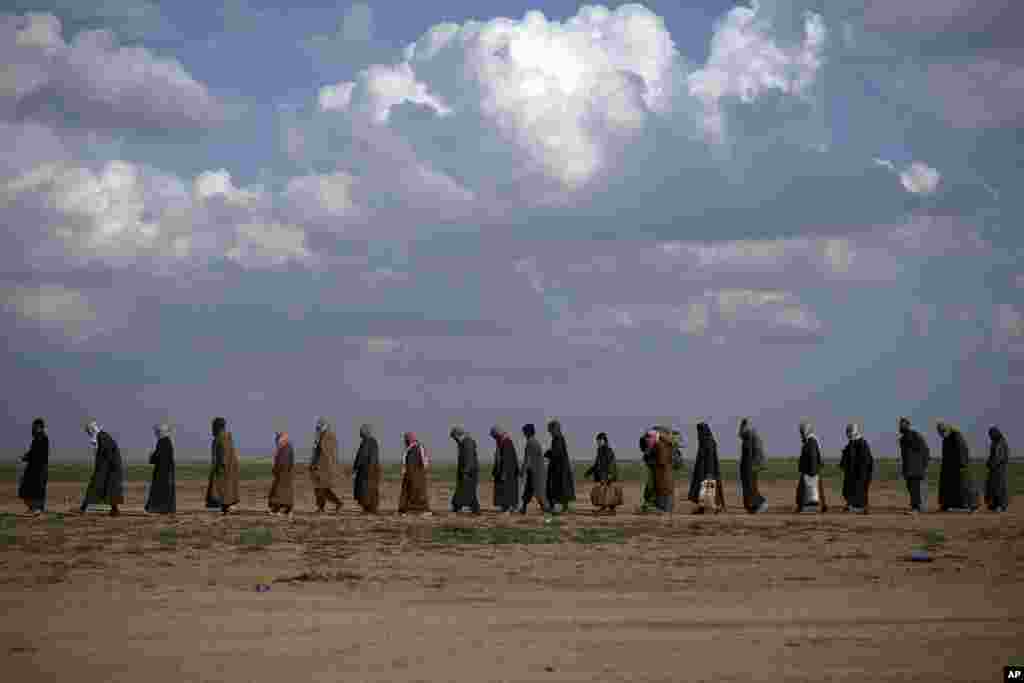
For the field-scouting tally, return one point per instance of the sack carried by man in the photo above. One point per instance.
(708, 494)
(606, 494)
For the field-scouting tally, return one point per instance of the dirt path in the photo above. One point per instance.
(776, 597)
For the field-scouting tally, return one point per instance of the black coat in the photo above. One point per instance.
(914, 454)
(367, 456)
(996, 486)
(810, 458)
(467, 476)
(506, 474)
(604, 467)
(955, 486)
(107, 483)
(858, 466)
(706, 465)
(162, 495)
(33, 480)
(561, 484)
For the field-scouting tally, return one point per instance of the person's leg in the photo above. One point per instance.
(114, 511)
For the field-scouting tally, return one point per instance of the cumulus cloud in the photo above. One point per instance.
(218, 183)
(746, 60)
(920, 178)
(103, 85)
(68, 313)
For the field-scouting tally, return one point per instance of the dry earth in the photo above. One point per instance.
(733, 597)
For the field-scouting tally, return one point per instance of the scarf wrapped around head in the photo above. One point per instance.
(281, 448)
(162, 430)
(457, 433)
(93, 429)
(412, 442)
(853, 431)
(366, 431)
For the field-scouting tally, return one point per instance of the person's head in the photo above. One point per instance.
(994, 433)
(904, 425)
(853, 431)
(601, 439)
(555, 428)
(92, 428)
(529, 431)
(942, 427)
(652, 438)
(409, 438)
(703, 430)
(457, 433)
(281, 439)
(219, 425)
(745, 427)
(162, 430)
(366, 431)
(497, 432)
(806, 429)
(38, 426)
(322, 425)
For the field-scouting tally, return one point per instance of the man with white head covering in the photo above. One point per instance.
(162, 497)
(956, 490)
(322, 468)
(107, 482)
(858, 467)
(809, 493)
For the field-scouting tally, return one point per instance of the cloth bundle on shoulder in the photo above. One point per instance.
(708, 495)
(606, 494)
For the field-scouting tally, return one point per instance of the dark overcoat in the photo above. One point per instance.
(506, 474)
(467, 475)
(162, 494)
(32, 488)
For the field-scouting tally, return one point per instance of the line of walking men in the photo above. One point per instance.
(545, 476)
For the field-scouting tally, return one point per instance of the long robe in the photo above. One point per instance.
(809, 469)
(955, 486)
(505, 474)
(162, 495)
(323, 466)
(914, 455)
(751, 461)
(604, 468)
(997, 493)
(705, 466)
(535, 473)
(858, 467)
(107, 482)
(282, 489)
(467, 476)
(414, 496)
(32, 488)
(561, 487)
(664, 486)
(222, 489)
(366, 474)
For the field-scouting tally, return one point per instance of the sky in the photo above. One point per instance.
(426, 214)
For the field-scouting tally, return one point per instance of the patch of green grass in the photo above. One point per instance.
(255, 538)
(600, 535)
(7, 521)
(933, 539)
(168, 537)
(455, 535)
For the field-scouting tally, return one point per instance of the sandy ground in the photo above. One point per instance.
(732, 597)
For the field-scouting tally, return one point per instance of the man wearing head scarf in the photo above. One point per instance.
(956, 490)
(751, 463)
(706, 467)
(467, 475)
(535, 475)
(606, 495)
(281, 498)
(32, 489)
(997, 493)
(505, 471)
(222, 490)
(366, 471)
(323, 466)
(808, 488)
(659, 457)
(561, 484)
(107, 482)
(162, 495)
(415, 496)
(914, 459)
(858, 467)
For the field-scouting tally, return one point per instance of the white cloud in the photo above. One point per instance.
(696, 321)
(102, 84)
(377, 89)
(383, 345)
(329, 194)
(50, 303)
(885, 163)
(269, 244)
(218, 183)
(920, 178)
(745, 61)
(1009, 328)
(336, 97)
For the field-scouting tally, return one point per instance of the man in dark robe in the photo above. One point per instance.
(366, 471)
(32, 489)
(415, 496)
(659, 456)
(505, 471)
(107, 482)
(606, 494)
(956, 490)
(535, 475)
(751, 463)
(162, 497)
(809, 491)
(914, 459)
(323, 467)
(997, 493)
(858, 465)
(706, 467)
(467, 474)
(561, 485)
(222, 490)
